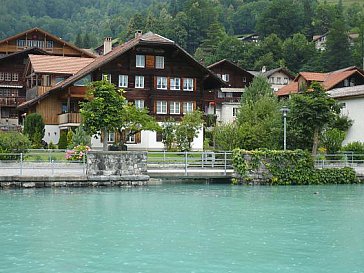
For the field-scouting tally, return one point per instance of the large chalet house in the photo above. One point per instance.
(225, 102)
(14, 52)
(277, 77)
(154, 71)
(346, 77)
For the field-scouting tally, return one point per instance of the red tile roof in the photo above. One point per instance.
(58, 64)
(313, 76)
(288, 89)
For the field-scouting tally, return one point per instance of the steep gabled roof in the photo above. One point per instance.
(49, 35)
(25, 52)
(211, 66)
(312, 76)
(279, 69)
(290, 88)
(58, 64)
(145, 39)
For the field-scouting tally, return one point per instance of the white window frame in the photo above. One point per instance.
(139, 104)
(188, 84)
(131, 139)
(271, 79)
(161, 107)
(106, 77)
(244, 79)
(228, 94)
(139, 81)
(159, 62)
(7, 77)
(123, 81)
(111, 137)
(175, 108)
(285, 81)
(140, 61)
(187, 107)
(162, 83)
(173, 84)
(235, 111)
(2, 76)
(225, 77)
(15, 77)
(279, 80)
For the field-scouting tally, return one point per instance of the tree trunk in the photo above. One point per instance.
(315, 142)
(104, 142)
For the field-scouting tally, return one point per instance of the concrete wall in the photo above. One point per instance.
(275, 85)
(225, 113)
(354, 110)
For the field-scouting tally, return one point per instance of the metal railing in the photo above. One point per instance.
(40, 162)
(347, 159)
(190, 161)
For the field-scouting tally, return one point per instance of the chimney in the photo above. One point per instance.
(107, 45)
(138, 33)
(264, 69)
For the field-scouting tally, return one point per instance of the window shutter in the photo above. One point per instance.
(117, 137)
(138, 137)
(155, 82)
(194, 106)
(182, 84)
(122, 136)
(168, 83)
(150, 61)
(194, 84)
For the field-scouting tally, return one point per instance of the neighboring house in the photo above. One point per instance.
(155, 73)
(278, 77)
(350, 76)
(249, 38)
(225, 102)
(352, 99)
(320, 40)
(13, 54)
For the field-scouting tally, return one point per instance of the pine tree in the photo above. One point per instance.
(79, 41)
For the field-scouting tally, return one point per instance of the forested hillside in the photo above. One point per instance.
(206, 28)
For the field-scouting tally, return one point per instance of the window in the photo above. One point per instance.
(106, 77)
(229, 94)
(123, 80)
(175, 83)
(285, 80)
(220, 95)
(59, 79)
(219, 75)
(162, 83)
(84, 81)
(225, 77)
(159, 137)
(235, 111)
(187, 107)
(2, 76)
(15, 77)
(46, 80)
(7, 77)
(139, 81)
(271, 80)
(131, 139)
(139, 104)
(279, 80)
(244, 79)
(140, 61)
(161, 107)
(174, 108)
(159, 62)
(188, 84)
(49, 44)
(111, 137)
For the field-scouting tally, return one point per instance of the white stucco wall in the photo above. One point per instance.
(274, 84)
(354, 109)
(51, 133)
(225, 113)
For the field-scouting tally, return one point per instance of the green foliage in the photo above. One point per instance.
(69, 138)
(80, 137)
(169, 134)
(332, 140)
(289, 168)
(34, 129)
(62, 143)
(357, 148)
(77, 153)
(14, 142)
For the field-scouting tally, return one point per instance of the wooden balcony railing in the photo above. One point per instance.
(69, 118)
(37, 91)
(11, 101)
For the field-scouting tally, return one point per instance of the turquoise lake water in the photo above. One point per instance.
(183, 228)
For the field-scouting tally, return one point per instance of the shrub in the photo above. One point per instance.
(77, 153)
(62, 143)
(13, 142)
(80, 137)
(357, 148)
(34, 129)
(289, 168)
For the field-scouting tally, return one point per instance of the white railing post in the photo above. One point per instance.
(21, 163)
(203, 156)
(225, 162)
(84, 163)
(52, 164)
(186, 159)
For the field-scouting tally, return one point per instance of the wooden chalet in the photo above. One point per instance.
(14, 52)
(346, 77)
(226, 101)
(155, 73)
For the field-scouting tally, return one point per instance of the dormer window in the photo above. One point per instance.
(225, 77)
(140, 61)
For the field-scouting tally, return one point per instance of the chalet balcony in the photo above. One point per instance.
(11, 101)
(68, 118)
(37, 91)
